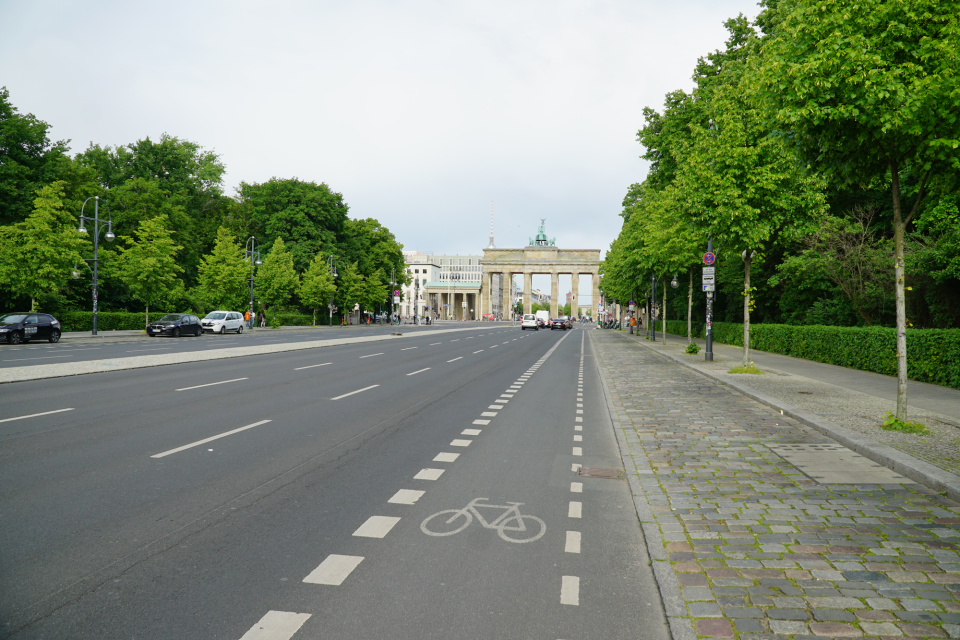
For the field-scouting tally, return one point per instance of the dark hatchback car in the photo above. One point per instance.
(176, 325)
(24, 327)
(559, 323)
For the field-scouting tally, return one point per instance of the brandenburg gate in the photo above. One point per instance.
(541, 256)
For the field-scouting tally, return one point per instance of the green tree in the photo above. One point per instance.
(867, 90)
(28, 160)
(350, 287)
(38, 254)
(224, 274)
(148, 265)
(277, 281)
(374, 291)
(318, 286)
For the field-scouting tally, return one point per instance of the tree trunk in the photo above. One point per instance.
(314, 317)
(33, 304)
(147, 317)
(664, 321)
(690, 310)
(898, 233)
(747, 261)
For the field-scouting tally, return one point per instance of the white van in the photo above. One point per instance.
(529, 322)
(222, 321)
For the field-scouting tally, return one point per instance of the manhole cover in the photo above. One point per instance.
(612, 474)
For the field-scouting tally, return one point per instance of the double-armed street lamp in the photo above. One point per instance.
(98, 226)
(332, 272)
(251, 253)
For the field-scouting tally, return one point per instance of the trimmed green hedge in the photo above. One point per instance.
(106, 320)
(296, 319)
(933, 355)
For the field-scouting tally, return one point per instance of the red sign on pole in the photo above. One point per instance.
(709, 258)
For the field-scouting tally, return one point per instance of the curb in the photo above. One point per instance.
(680, 625)
(906, 465)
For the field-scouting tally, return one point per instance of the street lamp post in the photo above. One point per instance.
(332, 272)
(98, 226)
(708, 331)
(252, 253)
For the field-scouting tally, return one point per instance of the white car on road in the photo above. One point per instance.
(222, 321)
(529, 322)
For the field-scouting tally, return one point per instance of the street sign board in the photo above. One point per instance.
(709, 270)
(396, 299)
(709, 258)
(708, 287)
(396, 292)
(709, 278)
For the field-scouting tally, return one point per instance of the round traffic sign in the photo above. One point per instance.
(709, 258)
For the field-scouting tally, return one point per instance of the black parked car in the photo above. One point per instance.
(176, 325)
(24, 327)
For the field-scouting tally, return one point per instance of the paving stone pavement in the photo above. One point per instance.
(744, 545)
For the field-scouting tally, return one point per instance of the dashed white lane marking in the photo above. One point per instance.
(576, 487)
(371, 355)
(373, 386)
(578, 451)
(211, 384)
(579, 410)
(476, 352)
(334, 569)
(433, 344)
(413, 373)
(580, 405)
(578, 438)
(34, 415)
(575, 510)
(578, 419)
(276, 625)
(406, 496)
(376, 527)
(428, 474)
(446, 457)
(313, 365)
(471, 432)
(489, 414)
(570, 590)
(575, 467)
(460, 443)
(578, 427)
(506, 395)
(481, 422)
(573, 542)
(210, 439)
(455, 359)
(457, 340)
(407, 348)
(495, 406)
(494, 346)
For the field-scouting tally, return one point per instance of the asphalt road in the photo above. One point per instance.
(128, 517)
(82, 349)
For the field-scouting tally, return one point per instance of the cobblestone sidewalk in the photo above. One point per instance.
(744, 544)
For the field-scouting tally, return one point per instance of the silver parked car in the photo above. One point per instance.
(222, 322)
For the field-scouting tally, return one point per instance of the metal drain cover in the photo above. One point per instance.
(610, 474)
(832, 463)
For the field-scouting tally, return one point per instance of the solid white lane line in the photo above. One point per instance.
(455, 359)
(371, 355)
(34, 415)
(373, 386)
(573, 542)
(376, 527)
(575, 510)
(578, 438)
(210, 439)
(428, 474)
(407, 348)
(478, 421)
(578, 451)
(333, 570)
(406, 496)
(476, 352)
(446, 457)
(313, 365)
(570, 590)
(211, 384)
(471, 432)
(413, 373)
(276, 625)
(460, 443)
(576, 487)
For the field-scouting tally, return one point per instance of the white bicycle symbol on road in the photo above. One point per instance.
(510, 522)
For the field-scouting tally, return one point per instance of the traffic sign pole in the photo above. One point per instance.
(709, 259)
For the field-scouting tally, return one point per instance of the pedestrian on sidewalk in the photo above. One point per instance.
(246, 320)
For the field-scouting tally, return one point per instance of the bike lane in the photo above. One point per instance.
(575, 567)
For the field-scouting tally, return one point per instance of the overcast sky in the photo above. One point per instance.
(420, 113)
